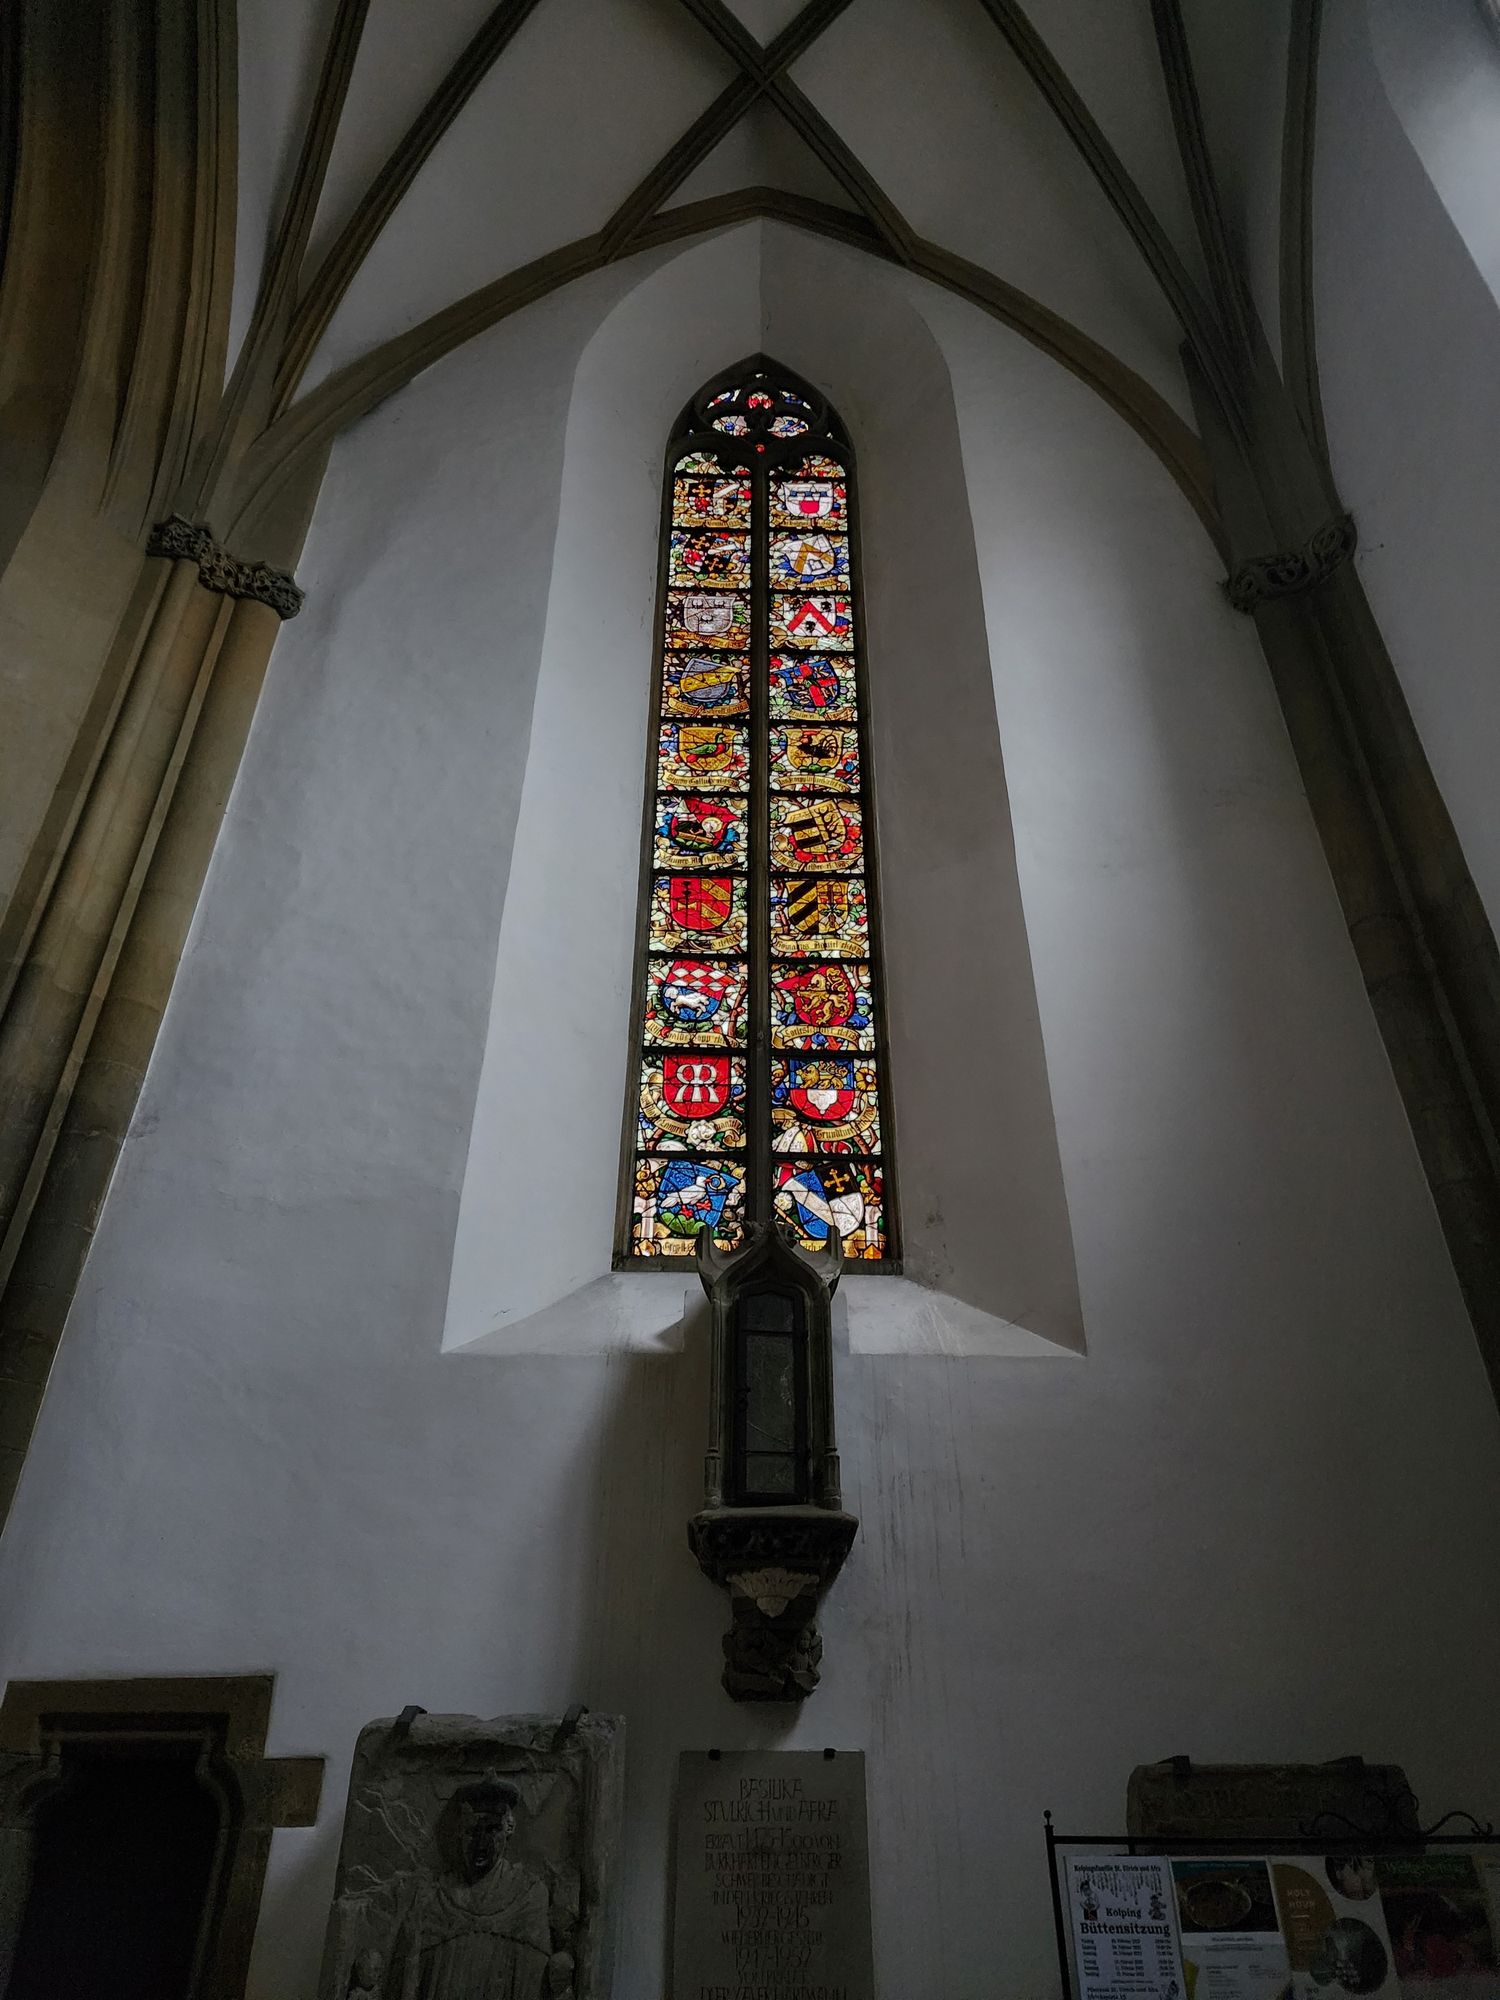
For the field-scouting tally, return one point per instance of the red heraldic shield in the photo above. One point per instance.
(823, 1091)
(822, 995)
(700, 902)
(695, 1086)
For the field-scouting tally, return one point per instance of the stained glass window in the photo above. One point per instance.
(758, 1079)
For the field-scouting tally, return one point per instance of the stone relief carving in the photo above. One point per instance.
(775, 1567)
(476, 1860)
(1180, 1800)
(178, 539)
(1289, 570)
(773, 1650)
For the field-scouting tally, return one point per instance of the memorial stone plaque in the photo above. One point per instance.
(772, 1885)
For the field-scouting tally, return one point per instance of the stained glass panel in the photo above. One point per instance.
(824, 835)
(810, 1194)
(805, 685)
(813, 917)
(809, 557)
(698, 619)
(696, 1003)
(822, 1007)
(711, 500)
(825, 1104)
(704, 913)
(817, 466)
(691, 1101)
(701, 558)
(757, 1078)
(694, 832)
(813, 493)
(815, 757)
(712, 756)
(705, 684)
(675, 1197)
(812, 619)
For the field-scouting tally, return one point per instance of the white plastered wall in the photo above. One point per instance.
(1408, 330)
(1247, 1524)
(1439, 63)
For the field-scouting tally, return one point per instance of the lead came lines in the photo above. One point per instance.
(760, 1077)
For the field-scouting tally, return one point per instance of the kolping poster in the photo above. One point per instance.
(1124, 1939)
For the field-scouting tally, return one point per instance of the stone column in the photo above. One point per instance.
(85, 995)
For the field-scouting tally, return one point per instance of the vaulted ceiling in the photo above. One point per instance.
(445, 146)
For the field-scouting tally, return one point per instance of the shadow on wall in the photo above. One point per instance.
(1439, 64)
(586, 1592)
(649, 1648)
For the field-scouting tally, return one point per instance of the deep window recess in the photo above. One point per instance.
(758, 1078)
(124, 1856)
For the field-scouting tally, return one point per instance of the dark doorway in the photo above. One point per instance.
(124, 1859)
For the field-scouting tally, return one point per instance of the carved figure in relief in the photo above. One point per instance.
(364, 1975)
(476, 1859)
(481, 1930)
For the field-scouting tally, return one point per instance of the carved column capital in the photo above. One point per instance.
(1258, 578)
(182, 541)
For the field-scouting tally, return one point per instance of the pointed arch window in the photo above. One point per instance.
(759, 1075)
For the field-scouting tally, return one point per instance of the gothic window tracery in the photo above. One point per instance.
(759, 1080)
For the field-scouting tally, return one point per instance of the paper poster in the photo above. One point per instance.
(1334, 1927)
(1439, 1925)
(1232, 1947)
(1124, 1940)
(1488, 1865)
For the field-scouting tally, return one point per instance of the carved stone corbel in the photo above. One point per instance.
(1258, 578)
(182, 541)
